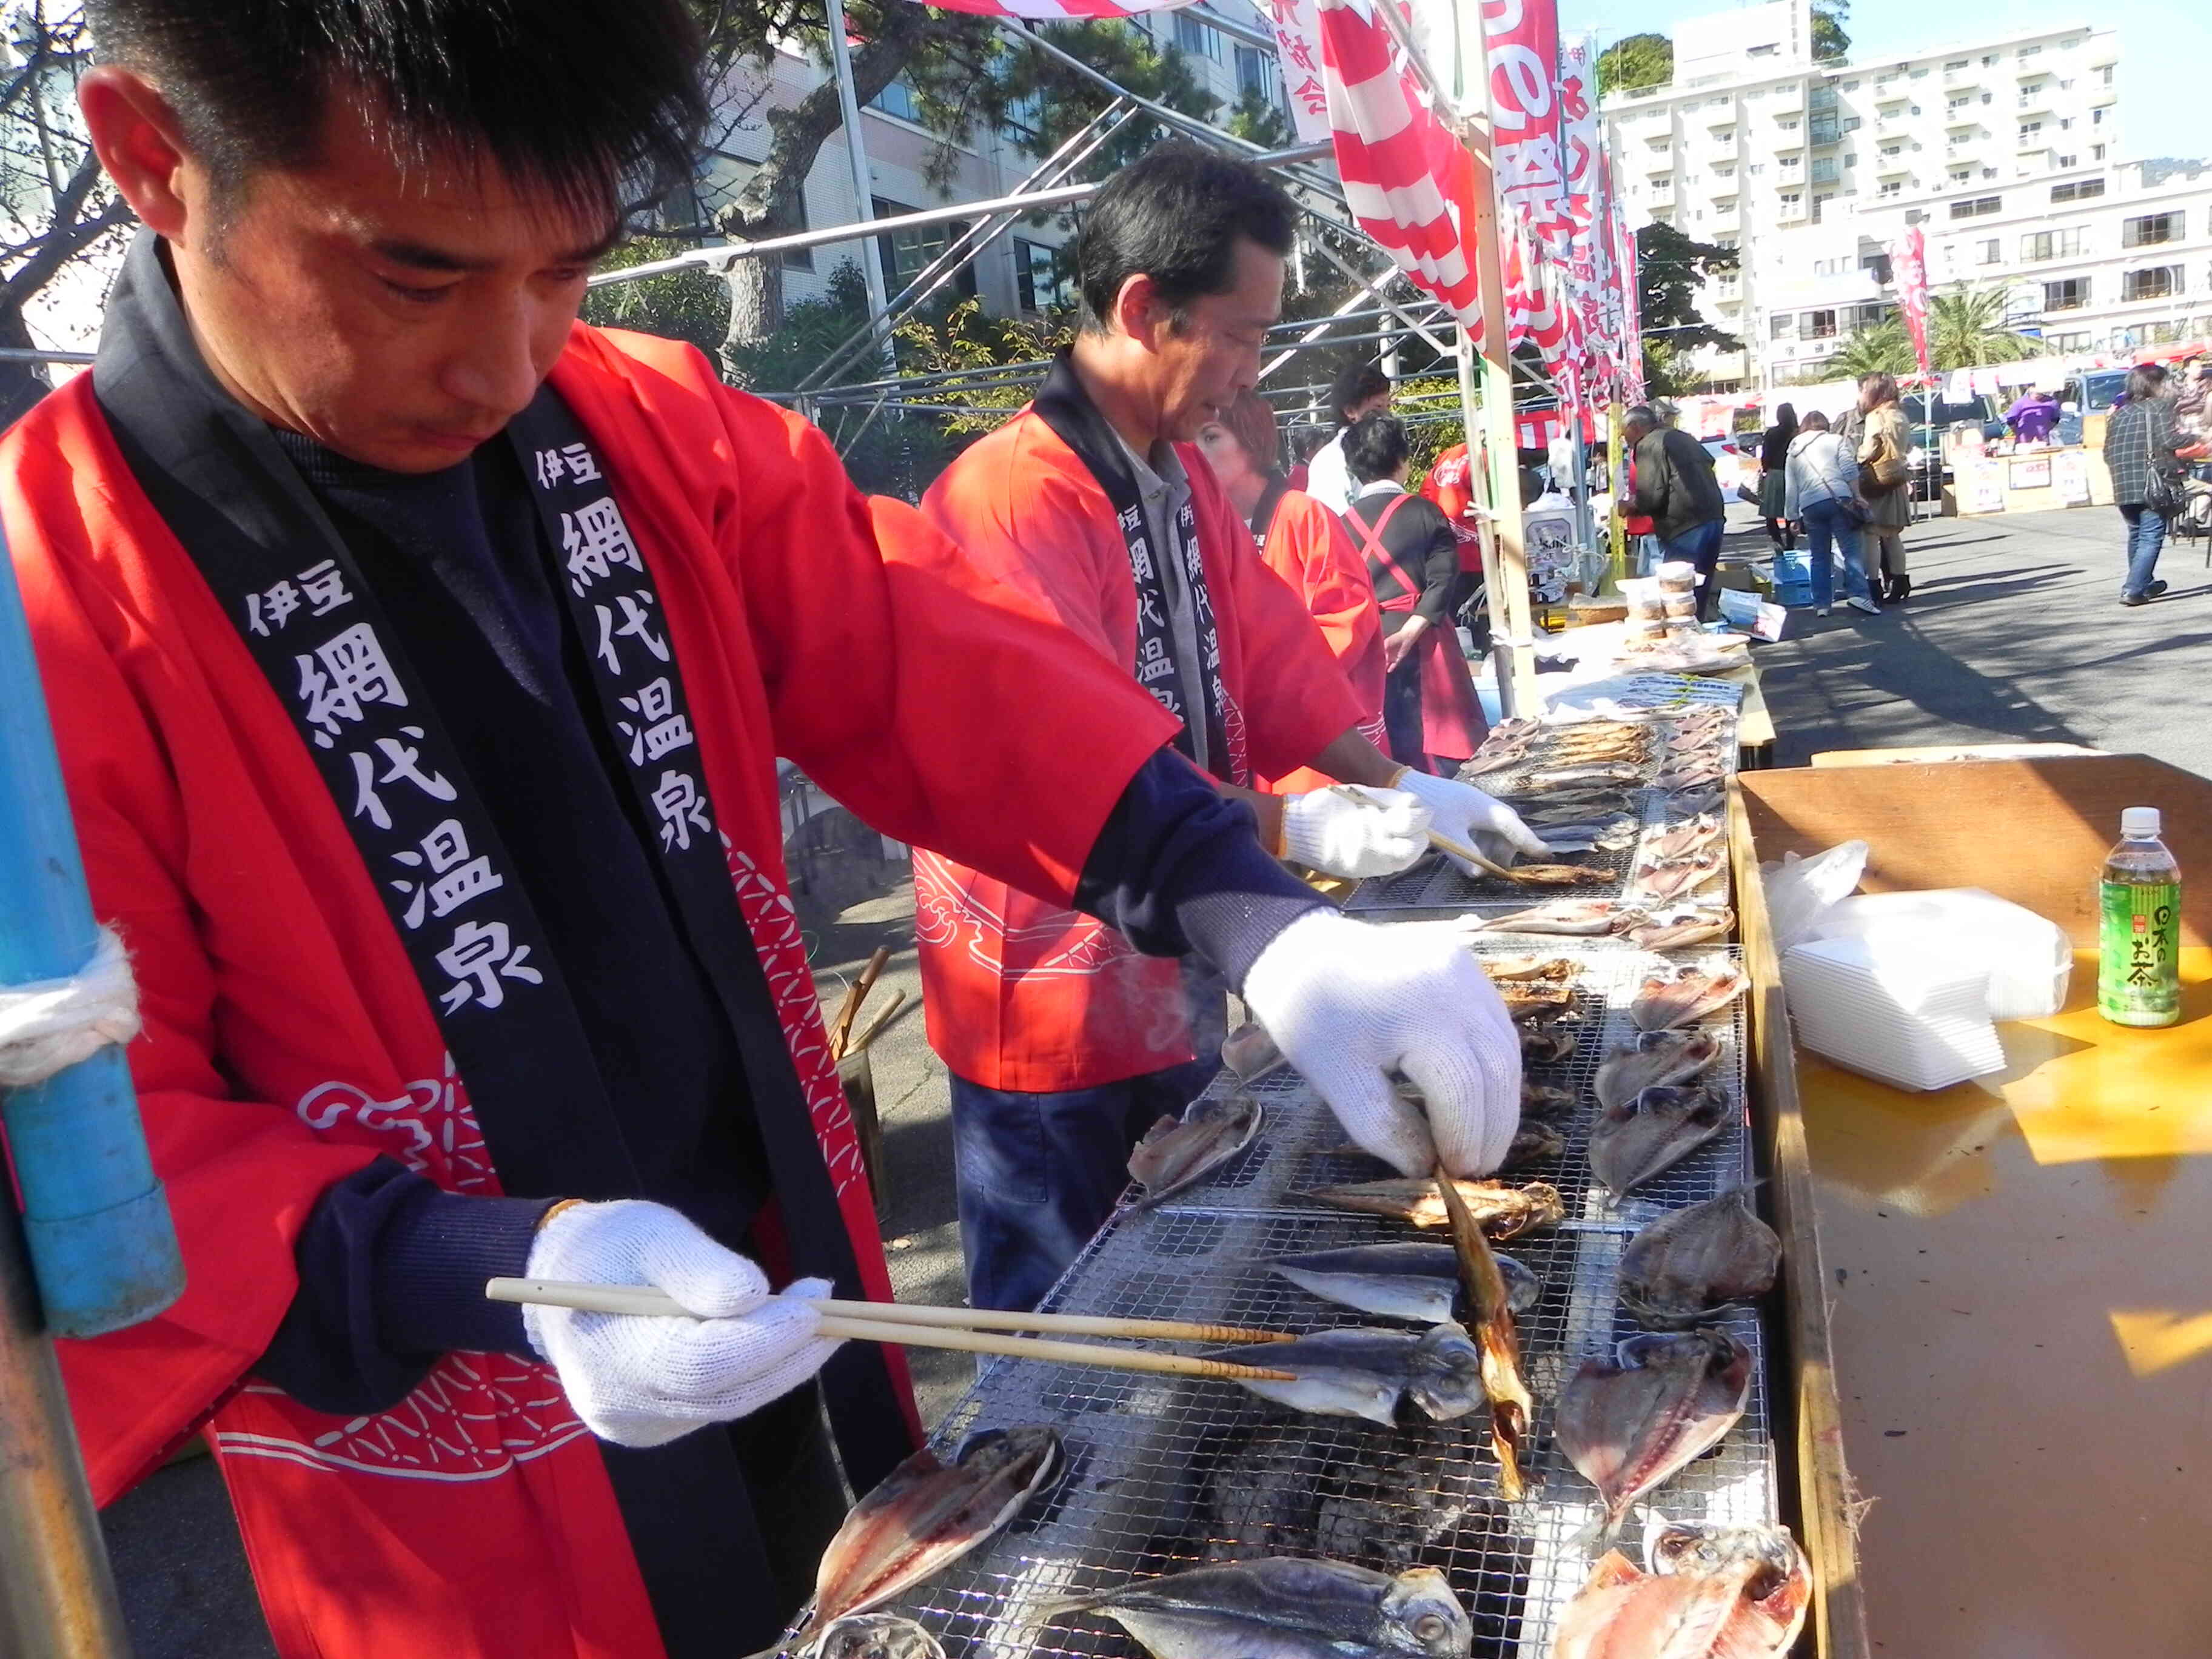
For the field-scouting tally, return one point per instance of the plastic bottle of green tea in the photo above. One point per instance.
(2138, 965)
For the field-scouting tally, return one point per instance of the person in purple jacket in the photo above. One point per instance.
(2032, 415)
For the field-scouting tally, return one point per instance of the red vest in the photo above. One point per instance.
(1307, 548)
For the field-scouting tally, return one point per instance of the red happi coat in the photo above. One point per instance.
(1023, 993)
(1306, 545)
(289, 1042)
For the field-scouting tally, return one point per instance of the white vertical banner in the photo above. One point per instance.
(1297, 28)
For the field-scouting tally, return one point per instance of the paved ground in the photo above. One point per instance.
(2015, 633)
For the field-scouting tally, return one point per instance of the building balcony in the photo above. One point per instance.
(1965, 78)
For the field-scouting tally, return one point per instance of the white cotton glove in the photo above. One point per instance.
(1349, 830)
(1465, 814)
(639, 1381)
(1345, 1001)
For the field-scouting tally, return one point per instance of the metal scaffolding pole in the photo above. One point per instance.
(856, 154)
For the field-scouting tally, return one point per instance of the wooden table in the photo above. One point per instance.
(2021, 1313)
(1754, 729)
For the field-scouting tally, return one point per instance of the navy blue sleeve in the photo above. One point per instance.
(1179, 868)
(392, 1275)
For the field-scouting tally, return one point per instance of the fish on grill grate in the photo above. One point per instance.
(1692, 1262)
(1564, 916)
(1631, 1142)
(1177, 1152)
(1412, 1280)
(1712, 1592)
(1668, 999)
(1698, 924)
(1357, 1371)
(1283, 1608)
(876, 1635)
(1658, 880)
(1503, 1211)
(1560, 875)
(1574, 833)
(1544, 1102)
(1593, 772)
(1249, 1052)
(1654, 1057)
(1275, 1488)
(1628, 1425)
(1691, 834)
(925, 1514)
(1541, 1048)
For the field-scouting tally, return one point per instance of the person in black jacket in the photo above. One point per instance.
(1429, 705)
(1773, 457)
(1676, 489)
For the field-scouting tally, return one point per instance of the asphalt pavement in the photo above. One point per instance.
(2015, 633)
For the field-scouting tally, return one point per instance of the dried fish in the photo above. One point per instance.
(1533, 1143)
(1713, 1593)
(1496, 760)
(1653, 1133)
(1416, 1280)
(1691, 1261)
(876, 1635)
(1177, 1151)
(1249, 1052)
(1616, 834)
(1699, 925)
(1542, 1047)
(1679, 839)
(1669, 879)
(1543, 1102)
(1557, 968)
(1700, 798)
(1686, 772)
(1489, 1307)
(1565, 916)
(1285, 1607)
(1536, 1000)
(1654, 1057)
(1627, 1426)
(923, 1516)
(1504, 1212)
(1560, 875)
(1593, 772)
(1356, 1371)
(1271, 1486)
(1667, 1001)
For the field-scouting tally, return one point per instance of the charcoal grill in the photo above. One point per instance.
(1166, 1474)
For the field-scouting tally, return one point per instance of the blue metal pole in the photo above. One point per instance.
(97, 1228)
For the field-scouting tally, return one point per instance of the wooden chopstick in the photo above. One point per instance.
(874, 1027)
(1442, 843)
(843, 1034)
(657, 1304)
(643, 1299)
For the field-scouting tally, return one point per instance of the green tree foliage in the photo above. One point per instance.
(1967, 329)
(1634, 61)
(1670, 268)
(1259, 120)
(1883, 348)
(1831, 39)
(684, 305)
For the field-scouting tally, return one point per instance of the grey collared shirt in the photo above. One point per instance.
(1162, 488)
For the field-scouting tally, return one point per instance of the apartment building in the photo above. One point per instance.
(2004, 151)
(1024, 272)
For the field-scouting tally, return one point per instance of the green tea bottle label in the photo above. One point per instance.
(2138, 969)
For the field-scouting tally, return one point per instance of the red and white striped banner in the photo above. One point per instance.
(1581, 150)
(1408, 179)
(1058, 11)
(1521, 39)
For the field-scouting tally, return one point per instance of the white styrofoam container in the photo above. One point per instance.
(1897, 1013)
(2029, 959)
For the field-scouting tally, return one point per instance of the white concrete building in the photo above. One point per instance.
(1020, 274)
(2004, 150)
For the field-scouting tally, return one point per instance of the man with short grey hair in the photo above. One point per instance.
(1676, 489)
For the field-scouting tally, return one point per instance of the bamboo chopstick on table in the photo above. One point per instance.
(968, 1330)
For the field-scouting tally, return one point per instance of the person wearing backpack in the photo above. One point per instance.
(1884, 467)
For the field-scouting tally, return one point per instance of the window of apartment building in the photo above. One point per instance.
(1725, 170)
(1791, 163)
(1962, 175)
(1783, 325)
(2065, 123)
(1039, 278)
(897, 99)
(1989, 173)
(1767, 50)
(1988, 59)
(1890, 187)
(2027, 53)
(1875, 266)
(1990, 252)
(1920, 74)
(1824, 130)
(2070, 295)
(1956, 64)
(1195, 37)
(2097, 115)
(2051, 245)
(2151, 230)
(1989, 98)
(2078, 190)
(904, 253)
(2064, 343)
(1821, 202)
(2029, 130)
(1851, 86)
(2156, 283)
(1820, 325)
(1963, 100)
(1789, 124)
(2096, 152)
(1850, 124)
(1256, 73)
(2160, 333)
(1756, 168)
(1977, 207)
(1793, 203)
(2104, 75)
(2068, 161)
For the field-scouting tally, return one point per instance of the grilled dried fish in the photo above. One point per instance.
(1560, 875)
(1654, 1057)
(1533, 1143)
(1713, 1593)
(1249, 1052)
(1631, 1143)
(1287, 1607)
(1416, 1280)
(1698, 925)
(924, 1515)
(1627, 1426)
(1679, 840)
(876, 1635)
(1573, 834)
(1542, 1047)
(1565, 916)
(1496, 760)
(1700, 798)
(1536, 999)
(1593, 772)
(1668, 879)
(1359, 1372)
(1504, 1212)
(1667, 1001)
(1557, 968)
(1691, 1261)
(1178, 1151)
(1544, 1102)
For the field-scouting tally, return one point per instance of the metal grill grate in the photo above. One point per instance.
(1166, 1474)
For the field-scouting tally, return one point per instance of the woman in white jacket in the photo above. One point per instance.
(1821, 475)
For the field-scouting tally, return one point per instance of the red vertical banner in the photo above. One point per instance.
(1908, 255)
(1631, 290)
(1580, 150)
(1521, 40)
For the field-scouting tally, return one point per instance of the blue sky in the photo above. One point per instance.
(2164, 49)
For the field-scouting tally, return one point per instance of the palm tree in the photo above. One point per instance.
(1966, 330)
(1880, 349)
